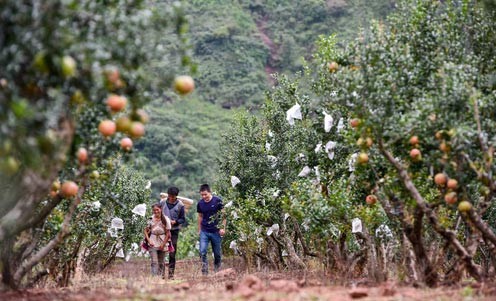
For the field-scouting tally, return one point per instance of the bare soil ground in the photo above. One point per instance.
(131, 281)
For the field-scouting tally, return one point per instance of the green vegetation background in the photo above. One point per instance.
(237, 45)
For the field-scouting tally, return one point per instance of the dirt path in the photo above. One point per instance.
(131, 281)
(273, 49)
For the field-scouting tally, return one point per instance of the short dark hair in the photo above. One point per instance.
(173, 191)
(205, 187)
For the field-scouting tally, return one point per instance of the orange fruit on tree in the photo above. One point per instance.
(126, 144)
(440, 179)
(107, 127)
(184, 84)
(116, 103)
(452, 184)
(69, 189)
(137, 129)
(371, 199)
(450, 197)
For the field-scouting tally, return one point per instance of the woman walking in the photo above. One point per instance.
(157, 233)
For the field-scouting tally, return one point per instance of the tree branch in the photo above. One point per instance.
(64, 231)
(450, 236)
(306, 251)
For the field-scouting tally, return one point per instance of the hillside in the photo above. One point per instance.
(237, 45)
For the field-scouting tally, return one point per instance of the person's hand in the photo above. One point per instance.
(151, 245)
(222, 232)
(162, 246)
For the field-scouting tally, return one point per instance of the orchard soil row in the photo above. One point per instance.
(131, 281)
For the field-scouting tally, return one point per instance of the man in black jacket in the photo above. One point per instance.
(174, 209)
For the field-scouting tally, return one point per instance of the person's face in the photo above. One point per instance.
(205, 195)
(172, 198)
(157, 211)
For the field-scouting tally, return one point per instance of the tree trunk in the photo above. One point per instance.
(415, 236)
(293, 258)
(374, 272)
(448, 235)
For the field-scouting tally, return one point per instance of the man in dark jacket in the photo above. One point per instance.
(174, 209)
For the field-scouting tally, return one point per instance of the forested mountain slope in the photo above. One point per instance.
(237, 45)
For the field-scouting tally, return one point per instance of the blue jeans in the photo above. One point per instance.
(215, 239)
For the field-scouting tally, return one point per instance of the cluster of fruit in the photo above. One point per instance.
(132, 125)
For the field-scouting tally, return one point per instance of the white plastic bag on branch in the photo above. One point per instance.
(383, 232)
(318, 147)
(329, 148)
(134, 246)
(317, 173)
(117, 223)
(96, 205)
(305, 171)
(234, 246)
(228, 204)
(272, 160)
(340, 125)
(356, 225)
(273, 229)
(267, 146)
(293, 113)
(120, 253)
(148, 185)
(328, 120)
(112, 232)
(351, 163)
(301, 158)
(140, 209)
(235, 181)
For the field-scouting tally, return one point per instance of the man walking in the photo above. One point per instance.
(174, 209)
(209, 209)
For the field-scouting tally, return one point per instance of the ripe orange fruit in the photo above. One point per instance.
(126, 144)
(82, 155)
(371, 199)
(333, 66)
(137, 129)
(440, 179)
(415, 154)
(107, 128)
(452, 184)
(450, 197)
(184, 84)
(414, 140)
(116, 103)
(69, 189)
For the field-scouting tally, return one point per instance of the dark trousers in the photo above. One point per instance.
(172, 255)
